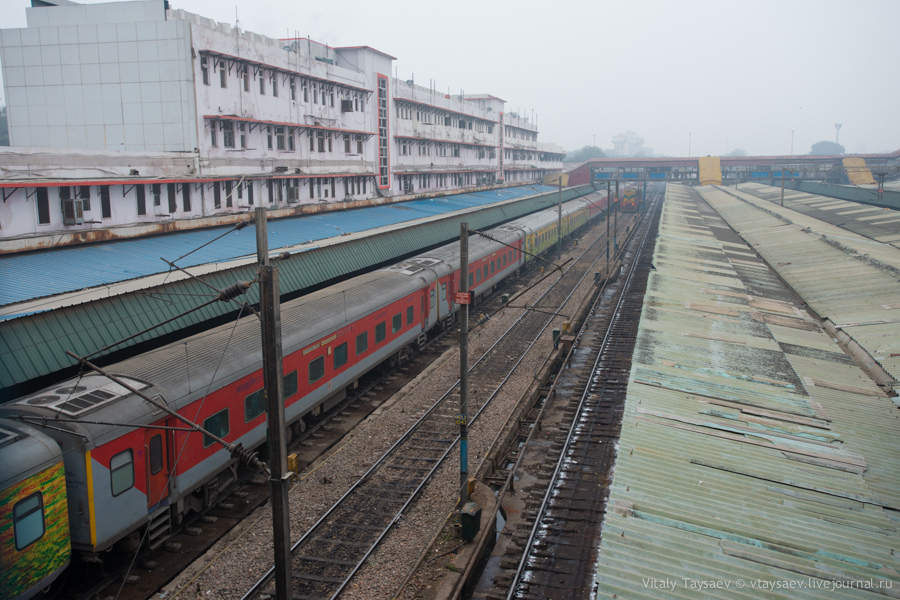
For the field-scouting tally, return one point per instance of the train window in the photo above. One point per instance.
(379, 332)
(121, 472)
(484, 274)
(396, 323)
(317, 369)
(254, 405)
(28, 517)
(471, 279)
(492, 267)
(217, 425)
(410, 313)
(156, 454)
(289, 385)
(362, 343)
(340, 356)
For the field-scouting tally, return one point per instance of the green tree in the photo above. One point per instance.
(826, 148)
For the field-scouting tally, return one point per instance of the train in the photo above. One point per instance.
(631, 199)
(88, 463)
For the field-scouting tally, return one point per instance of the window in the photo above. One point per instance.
(170, 189)
(362, 343)
(471, 280)
(186, 196)
(359, 145)
(320, 136)
(396, 323)
(254, 405)
(289, 384)
(105, 209)
(84, 193)
(204, 69)
(245, 75)
(484, 274)
(317, 369)
(262, 84)
(250, 193)
(305, 91)
(269, 136)
(223, 76)
(121, 472)
(492, 267)
(379, 332)
(217, 195)
(141, 199)
(156, 190)
(228, 194)
(156, 454)
(43, 205)
(228, 134)
(212, 134)
(243, 129)
(340, 356)
(409, 315)
(346, 106)
(293, 89)
(279, 138)
(28, 519)
(274, 84)
(346, 143)
(216, 425)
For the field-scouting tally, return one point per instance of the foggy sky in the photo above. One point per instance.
(731, 74)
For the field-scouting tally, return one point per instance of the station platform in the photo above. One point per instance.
(96, 296)
(756, 457)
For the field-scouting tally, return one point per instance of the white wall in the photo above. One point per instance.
(106, 77)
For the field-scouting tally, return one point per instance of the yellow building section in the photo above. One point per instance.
(857, 171)
(553, 179)
(710, 170)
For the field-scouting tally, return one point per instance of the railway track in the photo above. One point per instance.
(550, 552)
(329, 554)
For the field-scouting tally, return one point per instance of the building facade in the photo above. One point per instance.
(129, 113)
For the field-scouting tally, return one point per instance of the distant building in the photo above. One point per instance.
(128, 113)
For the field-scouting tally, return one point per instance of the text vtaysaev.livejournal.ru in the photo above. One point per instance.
(739, 583)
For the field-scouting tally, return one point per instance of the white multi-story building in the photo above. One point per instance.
(132, 113)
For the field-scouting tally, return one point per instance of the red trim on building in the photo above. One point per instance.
(427, 139)
(440, 172)
(286, 124)
(387, 130)
(283, 69)
(375, 50)
(145, 181)
(450, 110)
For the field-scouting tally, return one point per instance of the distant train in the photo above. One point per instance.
(87, 463)
(631, 199)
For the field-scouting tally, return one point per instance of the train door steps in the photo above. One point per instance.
(159, 528)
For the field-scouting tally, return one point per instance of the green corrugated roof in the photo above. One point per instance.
(742, 463)
(33, 346)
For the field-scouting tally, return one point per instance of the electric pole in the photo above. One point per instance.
(608, 211)
(616, 222)
(559, 218)
(270, 317)
(464, 299)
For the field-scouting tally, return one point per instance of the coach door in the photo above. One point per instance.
(156, 448)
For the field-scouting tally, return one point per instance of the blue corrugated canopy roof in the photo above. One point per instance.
(45, 273)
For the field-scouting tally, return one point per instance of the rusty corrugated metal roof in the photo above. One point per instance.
(755, 459)
(850, 279)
